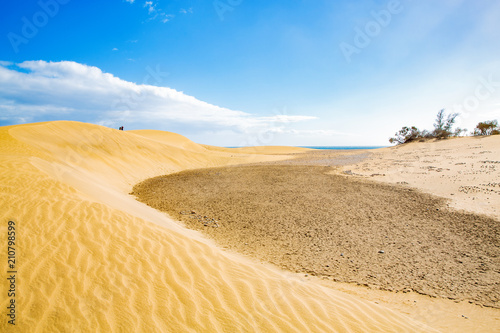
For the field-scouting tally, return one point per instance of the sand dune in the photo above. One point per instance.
(464, 170)
(92, 259)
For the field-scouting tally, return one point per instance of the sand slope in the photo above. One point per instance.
(464, 170)
(92, 259)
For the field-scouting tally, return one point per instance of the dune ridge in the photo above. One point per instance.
(91, 258)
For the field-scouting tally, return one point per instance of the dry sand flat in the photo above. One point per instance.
(306, 220)
(427, 256)
(92, 259)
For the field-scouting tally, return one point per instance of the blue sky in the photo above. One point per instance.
(240, 72)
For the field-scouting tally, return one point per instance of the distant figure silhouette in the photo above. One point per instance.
(121, 128)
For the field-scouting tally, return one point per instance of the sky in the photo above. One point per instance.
(241, 72)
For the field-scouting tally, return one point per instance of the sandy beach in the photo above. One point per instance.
(304, 219)
(90, 257)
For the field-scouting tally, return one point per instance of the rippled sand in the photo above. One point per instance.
(92, 259)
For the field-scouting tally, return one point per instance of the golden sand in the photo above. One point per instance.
(92, 259)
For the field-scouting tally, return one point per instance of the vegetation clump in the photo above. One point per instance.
(489, 127)
(406, 134)
(443, 128)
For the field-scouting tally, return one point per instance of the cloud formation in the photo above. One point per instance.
(39, 91)
(154, 12)
(186, 11)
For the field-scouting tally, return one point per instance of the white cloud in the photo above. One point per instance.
(155, 13)
(150, 6)
(115, 49)
(130, 1)
(166, 17)
(283, 118)
(40, 90)
(303, 132)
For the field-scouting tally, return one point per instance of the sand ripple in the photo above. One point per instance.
(91, 261)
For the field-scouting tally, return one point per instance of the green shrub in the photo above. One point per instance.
(443, 128)
(443, 125)
(406, 134)
(489, 127)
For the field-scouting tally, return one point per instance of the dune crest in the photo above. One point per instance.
(91, 258)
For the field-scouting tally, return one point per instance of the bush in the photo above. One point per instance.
(443, 128)
(489, 127)
(406, 134)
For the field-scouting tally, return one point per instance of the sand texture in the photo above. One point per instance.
(305, 219)
(464, 170)
(93, 259)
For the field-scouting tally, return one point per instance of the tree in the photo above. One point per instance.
(489, 127)
(442, 127)
(406, 134)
